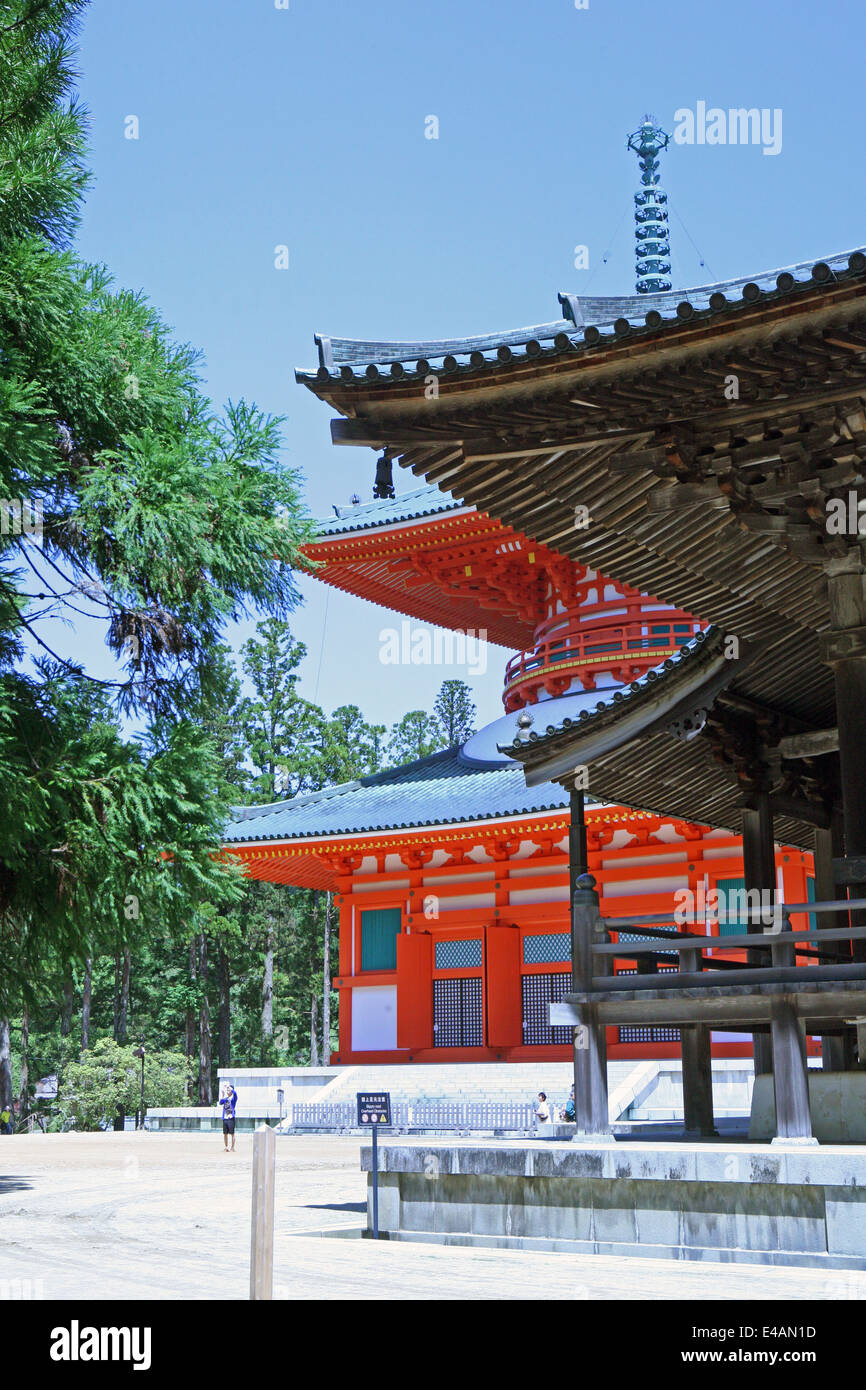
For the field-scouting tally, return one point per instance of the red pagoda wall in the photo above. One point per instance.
(483, 926)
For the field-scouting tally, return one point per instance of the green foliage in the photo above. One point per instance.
(163, 519)
(107, 1083)
(416, 735)
(455, 712)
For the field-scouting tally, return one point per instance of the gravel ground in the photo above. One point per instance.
(167, 1216)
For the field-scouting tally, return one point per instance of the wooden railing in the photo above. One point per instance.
(701, 989)
(696, 965)
(609, 643)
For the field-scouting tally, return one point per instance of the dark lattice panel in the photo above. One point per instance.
(541, 948)
(651, 1032)
(458, 1013)
(463, 954)
(539, 992)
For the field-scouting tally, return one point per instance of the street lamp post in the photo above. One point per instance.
(139, 1052)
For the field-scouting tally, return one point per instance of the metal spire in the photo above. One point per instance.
(652, 245)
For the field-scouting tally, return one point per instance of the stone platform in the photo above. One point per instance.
(756, 1203)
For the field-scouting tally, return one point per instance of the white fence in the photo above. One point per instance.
(432, 1115)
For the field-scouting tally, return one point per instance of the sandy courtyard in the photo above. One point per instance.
(167, 1216)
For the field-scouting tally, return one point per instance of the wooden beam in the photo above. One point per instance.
(373, 434)
(811, 813)
(813, 745)
(668, 499)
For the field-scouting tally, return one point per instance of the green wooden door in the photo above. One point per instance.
(730, 925)
(380, 927)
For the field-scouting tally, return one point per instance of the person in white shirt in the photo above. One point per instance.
(542, 1109)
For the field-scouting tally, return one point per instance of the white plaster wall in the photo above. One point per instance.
(555, 894)
(466, 902)
(374, 1018)
(645, 885)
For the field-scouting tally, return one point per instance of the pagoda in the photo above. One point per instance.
(451, 877)
(453, 874)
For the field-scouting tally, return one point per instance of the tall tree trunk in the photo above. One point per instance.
(66, 1009)
(224, 1039)
(123, 1002)
(86, 992)
(24, 1074)
(268, 996)
(116, 998)
(314, 1032)
(205, 1055)
(5, 1066)
(190, 1047)
(326, 986)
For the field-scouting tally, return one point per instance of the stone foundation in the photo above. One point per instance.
(837, 1100)
(751, 1203)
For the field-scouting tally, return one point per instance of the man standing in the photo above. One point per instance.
(229, 1101)
(6, 1120)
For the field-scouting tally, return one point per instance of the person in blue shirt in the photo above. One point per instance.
(228, 1101)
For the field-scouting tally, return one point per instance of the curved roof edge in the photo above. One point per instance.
(693, 677)
(587, 320)
(426, 501)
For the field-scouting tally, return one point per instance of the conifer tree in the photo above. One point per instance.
(128, 500)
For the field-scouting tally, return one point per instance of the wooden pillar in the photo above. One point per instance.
(837, 1050)
(844, 648)
(578, 856)
(697, 1067)
(790, 1075)
(759, 871)
(590, 1036)
(790, 1069)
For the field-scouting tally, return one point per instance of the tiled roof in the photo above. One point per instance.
(588, 321)
(422, 501)
(444, 789)
(620, 699)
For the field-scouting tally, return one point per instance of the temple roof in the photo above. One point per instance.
(641, 744)
(586, 322)
(431, 558)
(446, 788)
(409, 506)
(697, 456)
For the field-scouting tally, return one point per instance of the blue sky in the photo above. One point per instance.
(304, 127)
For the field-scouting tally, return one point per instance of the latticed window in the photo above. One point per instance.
(546, 947)
(652, 1032)
(458, 1013)
(539, 992)
(459, 955)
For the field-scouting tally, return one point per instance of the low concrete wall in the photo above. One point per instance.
(837, 1100)
(703, 1201)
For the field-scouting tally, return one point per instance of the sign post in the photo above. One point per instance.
(374, 1109)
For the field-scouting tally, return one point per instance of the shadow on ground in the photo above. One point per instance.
(13, 1184)
(335, 1206)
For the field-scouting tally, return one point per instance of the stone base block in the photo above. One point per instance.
(837, 1100)
(704, 1202)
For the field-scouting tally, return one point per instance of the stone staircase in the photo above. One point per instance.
(511, 1082)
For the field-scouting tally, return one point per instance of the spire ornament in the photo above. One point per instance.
(652, 244)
